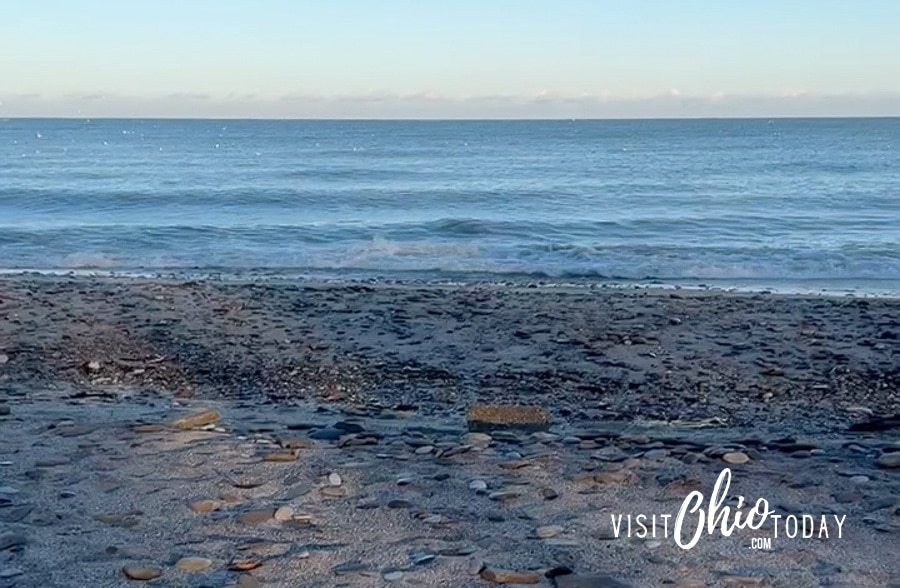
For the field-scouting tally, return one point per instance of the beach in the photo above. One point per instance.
(332, 447)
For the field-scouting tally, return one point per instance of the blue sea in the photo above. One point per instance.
(791, 204)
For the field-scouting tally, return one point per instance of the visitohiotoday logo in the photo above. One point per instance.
(698, 517)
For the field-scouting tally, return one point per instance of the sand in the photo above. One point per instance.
(646, 390)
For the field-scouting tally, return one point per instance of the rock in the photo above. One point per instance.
(499, 576)
(5, 410)
(549, 493)
(504, 495)
(334, 479)
(3, 358)
(280, 457)
(285, 513)
(435, 519)
(392, 576)
(889, 461)
(141, 573)
(350, 567)
(743, 581)
(484, 418)
(205, 506)
(193, 565)
(548, 531)
(148, 428)
(333, 492)
(589, 581)
(424, 449)
(736, 458)
(478, 485)
(256, 517)
(477, 440)
(399, 504)
(92, 366)
(244, 565)
(420, 558)
(195, 421)
(11, 540)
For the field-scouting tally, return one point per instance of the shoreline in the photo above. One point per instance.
(805, 288)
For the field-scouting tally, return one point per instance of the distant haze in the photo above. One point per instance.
(465, 59)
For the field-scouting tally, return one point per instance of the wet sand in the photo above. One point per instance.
(647, 391)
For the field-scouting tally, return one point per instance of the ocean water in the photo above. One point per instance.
(790, 203)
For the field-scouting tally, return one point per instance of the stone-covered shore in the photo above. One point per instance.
(326, 442)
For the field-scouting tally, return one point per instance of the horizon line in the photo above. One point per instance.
(462, 119)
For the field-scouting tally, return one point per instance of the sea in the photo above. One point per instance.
(797, 205)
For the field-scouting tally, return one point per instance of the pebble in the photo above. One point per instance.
(434, 519)
(420, 558)
(333, 492)
(256, 517)
(549, 493)
(334, 479)
(736, 458)
(280, 457)
(399, 504)
(499, 576)
(393, 576)
(478, 485)
(141, 573)
(424, 450)
(205, 506)
(504, 495)
(889, 461)
(285, 513)
(194, 421)
(193, 565)
(548, 531)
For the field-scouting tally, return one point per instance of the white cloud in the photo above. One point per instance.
(431, 104)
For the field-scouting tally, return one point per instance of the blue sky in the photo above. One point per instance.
(444, 59)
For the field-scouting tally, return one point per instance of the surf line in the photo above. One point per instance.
(717, 517)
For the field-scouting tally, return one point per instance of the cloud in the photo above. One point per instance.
(431, 104)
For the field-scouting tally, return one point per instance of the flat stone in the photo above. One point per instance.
(889, 461)
(141, 573)
(205, 506)
(736, 458)
(333, 492)
(504, 495)
(350, 567)
(399, 504)
(548, 531)
(421, 558)
(499, 576)
(280, 457)
(197, 420)
(148, 428)
(483, 418)
(392, 576)
(193, 565)
(285, 513)
(256, 517)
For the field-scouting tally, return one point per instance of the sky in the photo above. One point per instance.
(449, 59)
